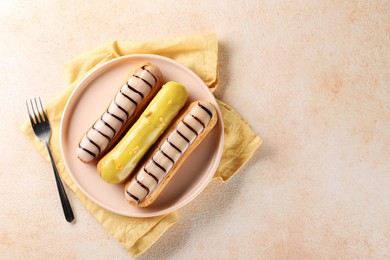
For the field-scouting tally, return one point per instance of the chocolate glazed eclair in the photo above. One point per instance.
(127, 105)
(170, 152)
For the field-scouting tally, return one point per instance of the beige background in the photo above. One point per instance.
(311, 78)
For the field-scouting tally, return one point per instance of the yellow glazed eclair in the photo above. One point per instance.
(118, 164)
(170, 152)
(129, 102)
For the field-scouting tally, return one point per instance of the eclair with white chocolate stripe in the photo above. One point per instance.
(168, 155)
(129, 102)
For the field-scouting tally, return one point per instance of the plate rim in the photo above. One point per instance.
(79, 87)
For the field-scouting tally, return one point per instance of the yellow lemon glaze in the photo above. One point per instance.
(117, 165)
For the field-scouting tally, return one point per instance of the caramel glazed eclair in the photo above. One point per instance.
(125, 108)
(171, 151)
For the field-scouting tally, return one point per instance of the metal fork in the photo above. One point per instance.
(41, 126)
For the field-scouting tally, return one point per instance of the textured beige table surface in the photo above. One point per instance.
(313, 79)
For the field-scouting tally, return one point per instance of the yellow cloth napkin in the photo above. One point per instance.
(199, 53)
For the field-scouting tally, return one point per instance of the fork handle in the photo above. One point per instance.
(64, 198)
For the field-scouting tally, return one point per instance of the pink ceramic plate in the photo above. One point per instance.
(90, 99)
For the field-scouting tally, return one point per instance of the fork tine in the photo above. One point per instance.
(35, 115)
(29, 114)
(43, 110)
(38, 112)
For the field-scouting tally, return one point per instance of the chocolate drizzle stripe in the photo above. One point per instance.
(151, 175)
(185, 138)
(205, 109)
(115, 116)
(106, 136)
(187, 125)
(88, 151)
(158, 165)
(142, 185)
(197, 119)
(121, 108)
(92, 142)
(108, 125)
(138, 77)
(129, 98)
(143, 67)
(166, 155)
(174, 146)
(134, 197)
(133, 89)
